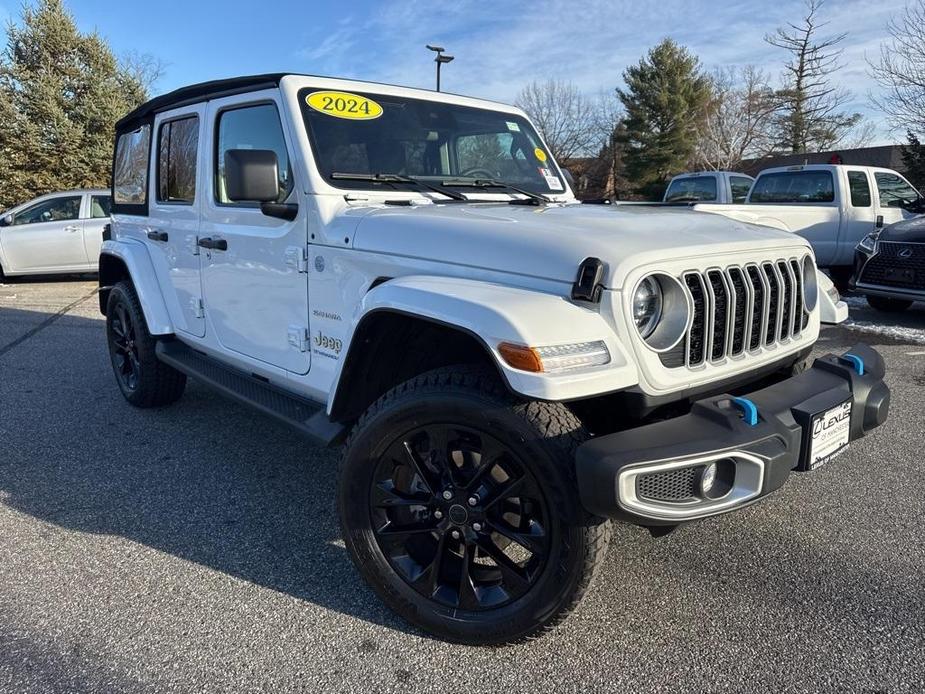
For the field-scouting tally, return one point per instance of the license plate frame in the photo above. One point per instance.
(828, 434)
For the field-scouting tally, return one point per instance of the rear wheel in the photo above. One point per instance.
(888, 305)
(144, 380)
(459, 506)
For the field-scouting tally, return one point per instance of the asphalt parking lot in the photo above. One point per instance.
(195, 548)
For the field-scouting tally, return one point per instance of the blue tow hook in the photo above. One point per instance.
(857, 361)
(749, 410)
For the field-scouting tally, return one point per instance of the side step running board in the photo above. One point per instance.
(304, 415)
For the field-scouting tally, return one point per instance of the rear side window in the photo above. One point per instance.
(740, 186)
(177, 149)
(692, 189)
(130, 167)
(100, 206)
(251, 127)
(894, 191)
(860, 189)
(794, 187)
(55, 210)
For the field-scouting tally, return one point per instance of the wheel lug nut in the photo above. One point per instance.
(438, 514)
(473, 500)
(447, 495)
(477, 527)
(455, 534)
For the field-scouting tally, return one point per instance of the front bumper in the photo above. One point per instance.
(755, 441)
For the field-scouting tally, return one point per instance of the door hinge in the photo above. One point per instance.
(298, 258)
(197, 307)
(298, 337)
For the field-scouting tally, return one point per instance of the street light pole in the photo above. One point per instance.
(440, 59)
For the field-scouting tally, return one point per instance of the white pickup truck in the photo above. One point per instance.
(408, 273)
(720, 187)
(831, 206)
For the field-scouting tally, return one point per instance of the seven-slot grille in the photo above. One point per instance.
(740, 309)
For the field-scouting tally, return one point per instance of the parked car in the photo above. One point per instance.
(889, 266)
(408, 272)
(55, 233)
(832, 206)
(720, 187)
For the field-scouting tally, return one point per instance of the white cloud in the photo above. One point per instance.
(499, 47)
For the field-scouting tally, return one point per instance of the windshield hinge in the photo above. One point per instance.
(297, 258)
(297, 336)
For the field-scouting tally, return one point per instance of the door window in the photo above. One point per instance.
(54, 210)
(177, 149)
(100, 206)
(251, 127)
(894, 191)
(860, 189)
(130, 168)
(740, 186)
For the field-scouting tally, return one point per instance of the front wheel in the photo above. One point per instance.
(459, 506)
(888, 305)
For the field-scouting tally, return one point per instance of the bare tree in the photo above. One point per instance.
(901, 70)
(811, 115)
(569, 122)
(740, 119)
(143, 68)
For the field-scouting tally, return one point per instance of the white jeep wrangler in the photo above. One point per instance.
(409, 272)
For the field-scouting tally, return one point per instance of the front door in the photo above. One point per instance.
(46, 237)
(93, 225)
(175, 205)
(255, 287)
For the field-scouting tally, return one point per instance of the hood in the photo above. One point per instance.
(907, 231)
(549, 242)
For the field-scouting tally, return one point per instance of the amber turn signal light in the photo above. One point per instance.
(521, 357)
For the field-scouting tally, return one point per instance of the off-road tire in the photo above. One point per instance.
(156, 383)
(888, 305)
(545, 435)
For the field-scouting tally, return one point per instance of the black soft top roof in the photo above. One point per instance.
(195, 93)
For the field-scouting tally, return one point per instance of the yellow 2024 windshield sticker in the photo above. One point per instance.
(344, 105)
(540, 154)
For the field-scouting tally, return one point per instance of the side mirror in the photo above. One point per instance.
(46, 216)
(569, 178)
(251, 175)
(6, 220)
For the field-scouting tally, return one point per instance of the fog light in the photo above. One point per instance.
(707, 479)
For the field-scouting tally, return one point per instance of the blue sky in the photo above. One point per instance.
(499, 46)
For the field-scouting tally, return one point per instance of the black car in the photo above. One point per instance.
(889, 265)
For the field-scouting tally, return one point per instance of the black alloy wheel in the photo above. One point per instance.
(123, 348)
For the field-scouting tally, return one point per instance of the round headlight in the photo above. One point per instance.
(810, 284)
(647, 306)
(661, 310)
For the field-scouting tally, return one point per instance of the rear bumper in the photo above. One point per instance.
(635, 475)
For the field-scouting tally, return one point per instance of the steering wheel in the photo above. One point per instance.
(476, 172)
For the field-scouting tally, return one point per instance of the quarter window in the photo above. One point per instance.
(100, 206)
(177, 148)
(860, 189)
(251, 127)
(894, 191)
(54, 210)
(130, 168)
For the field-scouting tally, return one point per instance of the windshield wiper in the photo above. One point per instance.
(399, 178)
(532, 198)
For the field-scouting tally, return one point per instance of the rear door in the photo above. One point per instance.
(174, 210)
(46, 236)
(255, 287)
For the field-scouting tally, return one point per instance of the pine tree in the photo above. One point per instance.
(61, 92)
(665, 100)
(913, 153)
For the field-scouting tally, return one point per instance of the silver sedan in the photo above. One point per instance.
(55, 233)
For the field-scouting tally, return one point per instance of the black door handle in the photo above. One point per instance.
(213, 244)
(157, 235)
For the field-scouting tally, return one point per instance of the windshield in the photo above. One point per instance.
(368, 134)
(690, 189)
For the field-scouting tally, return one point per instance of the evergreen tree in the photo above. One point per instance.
(914, 160)
(60, 94)
(665, 100)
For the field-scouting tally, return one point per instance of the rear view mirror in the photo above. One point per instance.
(251, 175)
